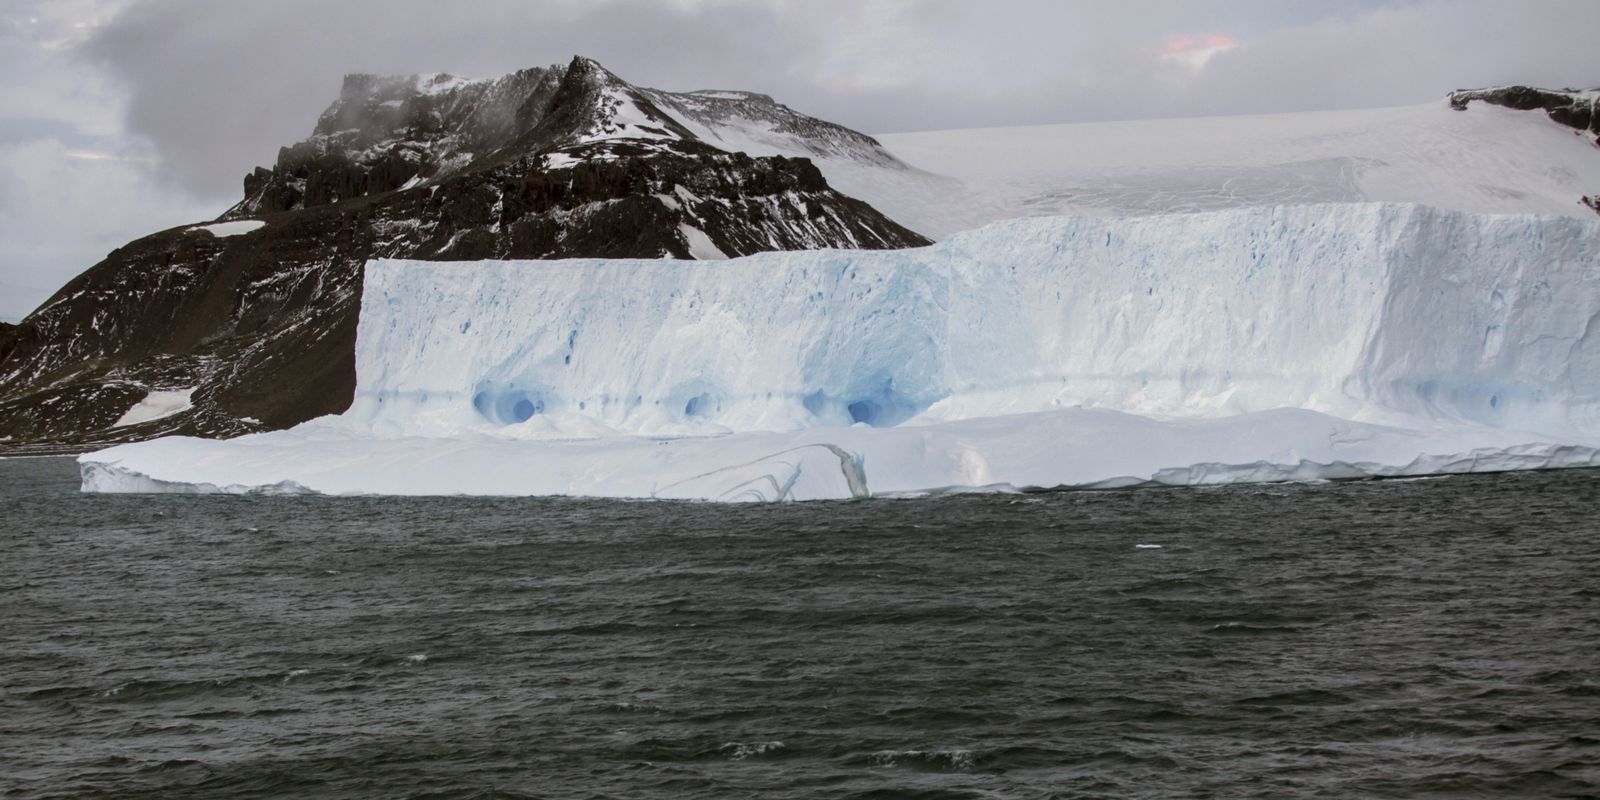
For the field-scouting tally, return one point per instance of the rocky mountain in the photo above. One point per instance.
(248, 323)
(386, 133)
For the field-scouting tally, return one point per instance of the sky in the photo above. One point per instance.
(119, 118)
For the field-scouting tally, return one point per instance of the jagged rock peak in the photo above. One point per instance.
(385, 133)
(426, 106)
(592, 104)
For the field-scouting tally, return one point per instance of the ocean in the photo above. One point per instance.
(1419, 638)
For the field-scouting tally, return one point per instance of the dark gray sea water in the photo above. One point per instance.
(1424, 638)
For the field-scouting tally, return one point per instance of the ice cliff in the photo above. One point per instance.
(1267, 343)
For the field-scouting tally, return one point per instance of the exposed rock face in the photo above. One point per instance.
(1570, 107)
(385, 132)
(259, 319)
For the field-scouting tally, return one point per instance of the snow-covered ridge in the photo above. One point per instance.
(757, 124)
(1255, 344)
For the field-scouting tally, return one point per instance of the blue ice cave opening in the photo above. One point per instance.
(816, 403)
(870, 412)
(880, 406)
(698, 406)
(509, 405)
(523, 410)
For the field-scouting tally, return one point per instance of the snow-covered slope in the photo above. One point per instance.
(1265, 343)
(1484, 159)
(761, 126)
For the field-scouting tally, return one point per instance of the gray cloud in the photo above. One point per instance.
(73, 183)
(125, 116)
(217, 87)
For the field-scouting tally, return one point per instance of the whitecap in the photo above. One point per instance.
(739, 751)
(949, 759)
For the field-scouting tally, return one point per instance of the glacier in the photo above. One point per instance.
(1303, 342)
(1486, 159)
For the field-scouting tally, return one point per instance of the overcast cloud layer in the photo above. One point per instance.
(121, 117)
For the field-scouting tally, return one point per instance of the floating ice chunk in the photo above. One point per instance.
(1066, 448)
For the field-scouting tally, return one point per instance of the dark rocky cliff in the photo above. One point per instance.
(544, 163)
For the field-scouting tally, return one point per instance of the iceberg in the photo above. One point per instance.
(1269, 343)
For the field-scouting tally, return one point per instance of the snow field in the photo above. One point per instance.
(1486, 159)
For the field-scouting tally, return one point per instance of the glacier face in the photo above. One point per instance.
(1249, 344)
(1365, 311)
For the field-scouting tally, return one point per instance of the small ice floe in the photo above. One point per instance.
(417, 658)
(1147, 547)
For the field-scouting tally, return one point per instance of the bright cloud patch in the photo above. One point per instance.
(1193, 51)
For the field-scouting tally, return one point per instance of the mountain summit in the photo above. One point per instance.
(248, 323)
(391, 132)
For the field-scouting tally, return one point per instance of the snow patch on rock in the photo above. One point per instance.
(156, 405)
(700, 245)
(236, 227)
